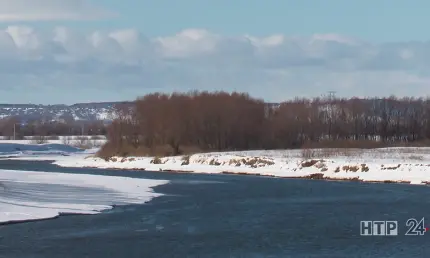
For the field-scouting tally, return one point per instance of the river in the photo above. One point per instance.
(228, 216)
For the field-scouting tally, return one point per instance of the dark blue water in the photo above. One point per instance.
(229, 216)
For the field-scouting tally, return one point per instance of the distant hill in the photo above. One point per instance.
(97, 111)
(101, 111)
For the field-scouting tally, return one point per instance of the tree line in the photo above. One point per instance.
(11, 126)
(172, 124)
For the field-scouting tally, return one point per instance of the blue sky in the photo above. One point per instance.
(374, 20)
(67, 51)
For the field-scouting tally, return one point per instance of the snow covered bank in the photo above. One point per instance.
(26, 195)
(408, 165)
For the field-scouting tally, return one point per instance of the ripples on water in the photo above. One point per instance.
(232, 216)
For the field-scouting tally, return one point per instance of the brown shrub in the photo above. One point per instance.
(316, 176)
(309, 163)
(350, 168)
(235, 162)
(156, 161)
(352, 144)
(125, 150)
(185, 160)
(390, 168)
(255, 162)
(364, 168)
(214, 163)
(320, 165)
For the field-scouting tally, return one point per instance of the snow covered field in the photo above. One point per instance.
(406, 165)
(27, 195)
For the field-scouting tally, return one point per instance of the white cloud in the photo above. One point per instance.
(187, 43)
(47, 10)
(123, 64)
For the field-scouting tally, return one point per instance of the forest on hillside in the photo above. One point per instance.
(178, 123)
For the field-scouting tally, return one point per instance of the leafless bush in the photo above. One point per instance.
(67, 140)
(308, 153)
(41, 139)
(82, 143)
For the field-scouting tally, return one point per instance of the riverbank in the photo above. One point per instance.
(388, 165)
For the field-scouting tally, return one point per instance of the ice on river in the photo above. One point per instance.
(26, 195)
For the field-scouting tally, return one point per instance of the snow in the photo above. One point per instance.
(407, 165)
(26, 195)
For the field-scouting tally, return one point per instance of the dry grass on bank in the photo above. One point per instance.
(318, 150)
(108, 150)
